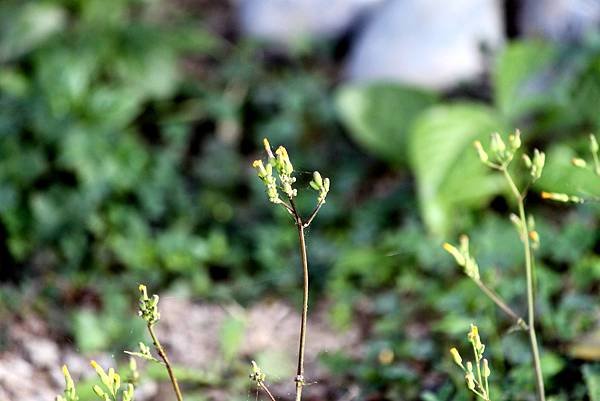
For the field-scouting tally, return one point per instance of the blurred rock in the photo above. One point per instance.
(42, 352)
(561, 20)
(427, 43)
(289, 21)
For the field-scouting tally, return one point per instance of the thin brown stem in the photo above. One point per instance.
(313, 214)
(502, 305)
(163, 355)
(301, 347)
(264, 387)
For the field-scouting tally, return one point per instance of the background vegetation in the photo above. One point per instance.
(126, 138)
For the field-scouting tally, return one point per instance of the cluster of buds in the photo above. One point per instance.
(500, 154)
(257, 375)
(476, 377)
(69, 394)
(463, 257)
(535, 164)
(148, 307)
(279, 162)
(527, 229)
(321, 185)
(112, 384)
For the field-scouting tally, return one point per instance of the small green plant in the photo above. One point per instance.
(280, 191)
(499, 157)
(476, 379)
(111, 380)
(148, 310)
(111, 389)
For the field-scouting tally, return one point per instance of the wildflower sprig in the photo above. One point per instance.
(144, 353)
(112, 384)
(148, 307)
(280, 191)
(111, 389)
(463, 258)
(475, 378)
(259, 377)
(499, 157)
(70, 394)
(148, 310)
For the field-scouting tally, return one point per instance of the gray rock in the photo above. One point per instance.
(289, 21)
(42, 353)
(561, 20)
(427, 43)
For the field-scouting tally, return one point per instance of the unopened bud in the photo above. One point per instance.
(456, 357)
(578, 162)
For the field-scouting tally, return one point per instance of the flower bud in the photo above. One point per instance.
(483, 156)
(578, 162)
(456, 357)
(515, 140)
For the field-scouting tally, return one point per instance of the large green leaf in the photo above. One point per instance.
(522, 78)
(379, 116)
(561, 176)
(449, 174)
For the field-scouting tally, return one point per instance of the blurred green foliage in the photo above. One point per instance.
(126, 135)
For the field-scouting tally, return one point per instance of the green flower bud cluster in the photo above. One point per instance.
(463, 257)
(148, 307)
(257, 374)
(69, 394)
(112, 384)
(501, 154)
(279, 162)
(111, 381)
(321, 185)
(535, 164)
(476, 377)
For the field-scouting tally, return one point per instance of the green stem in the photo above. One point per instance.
(530, 298)
(163, 355)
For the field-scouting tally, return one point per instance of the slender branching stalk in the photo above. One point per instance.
(148, 310)
(278, 190)
(499, 158)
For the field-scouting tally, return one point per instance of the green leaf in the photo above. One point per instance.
(561, 176)
(24, 27)
(591, 374)
(379, 116)
(449, 174)
(521, 77)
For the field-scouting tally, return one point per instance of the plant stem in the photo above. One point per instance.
(266, 390)
(300, 370)
(163, 355)
(502, 305)
(529, 277)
